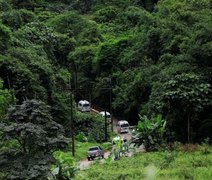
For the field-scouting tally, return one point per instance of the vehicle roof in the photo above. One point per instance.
(84, 102)
(123, 122)
(93, 147)
(103, 113)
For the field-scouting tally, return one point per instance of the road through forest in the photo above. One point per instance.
(85, 163)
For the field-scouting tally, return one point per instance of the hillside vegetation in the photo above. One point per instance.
(137, 58)
(155, 57)
(156, 165)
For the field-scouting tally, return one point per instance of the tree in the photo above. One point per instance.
(31, 126)
(109, 55)
(5, 100)
(84, 31)
(4, 5)
(92, 126)
(5, 37)
(186, 93)
(28, 4)
(83, 6)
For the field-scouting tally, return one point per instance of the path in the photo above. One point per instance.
(85, 163)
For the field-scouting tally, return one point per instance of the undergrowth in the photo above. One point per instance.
(186, 164)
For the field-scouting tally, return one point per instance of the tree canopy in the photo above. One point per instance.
(155, 55)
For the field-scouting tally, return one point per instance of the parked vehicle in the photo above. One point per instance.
(108, 116)
(95, 151)
(83, 106)
(123, 126)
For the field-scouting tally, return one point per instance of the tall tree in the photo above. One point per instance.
(31, 126)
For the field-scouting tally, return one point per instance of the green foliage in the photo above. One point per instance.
(38, 136)
(4, 6)
(28, 4)
(65, 167)
(107, 14)
(45, 15)
(169, 157)
(17, 18)
(109, 55)
(158, 62)
(92, 126)
(5, 37)
(12, 19)
(81, 137)
(181, 166)
(35, 33)
(117, 149)
(21, 75)
(72, 24)
(83, 6)
(205, 147)
(6, 99)
(82, 59)
(134, 16)
(187, 93)
(150, 132)
(189, 89)
(118, 3)
(81, 149)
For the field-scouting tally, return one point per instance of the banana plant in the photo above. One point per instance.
(150, 132)
(117, 149)
(65, 167)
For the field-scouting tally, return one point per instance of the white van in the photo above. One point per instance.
(84, 106)
(108, 116)
(123, 126)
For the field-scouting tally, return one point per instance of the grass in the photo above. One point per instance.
(81, 149)
(154, 165)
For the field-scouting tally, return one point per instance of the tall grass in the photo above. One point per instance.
(81, 149)
(154, 165)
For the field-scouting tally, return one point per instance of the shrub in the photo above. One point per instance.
(65, 167)
(92, 126)
(205, 147)
(81, 137)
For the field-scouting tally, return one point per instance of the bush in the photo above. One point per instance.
(65, 167)
(107, 14)
(81, 137)
(91, 126)
(205, 147)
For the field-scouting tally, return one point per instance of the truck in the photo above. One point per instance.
(123, 126)
(95, 151)
(84, 106)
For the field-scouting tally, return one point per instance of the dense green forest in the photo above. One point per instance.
(154, 57)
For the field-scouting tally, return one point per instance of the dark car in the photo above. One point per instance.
(95, 151)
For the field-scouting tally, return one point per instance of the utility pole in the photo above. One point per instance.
(111, 115)
(105, 126)
(72, 119)
(72, 126)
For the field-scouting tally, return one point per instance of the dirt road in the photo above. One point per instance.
(85, 163)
